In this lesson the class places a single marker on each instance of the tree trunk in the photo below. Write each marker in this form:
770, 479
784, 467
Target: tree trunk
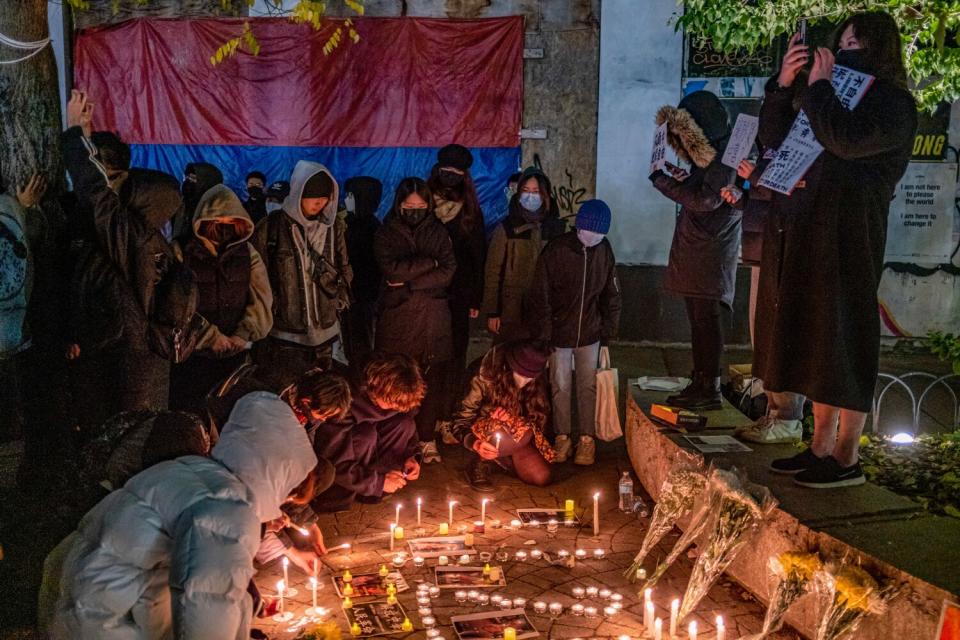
30, 120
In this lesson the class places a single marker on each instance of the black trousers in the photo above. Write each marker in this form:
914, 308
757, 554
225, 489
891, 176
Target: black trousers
436, 401
455, 376
706, 334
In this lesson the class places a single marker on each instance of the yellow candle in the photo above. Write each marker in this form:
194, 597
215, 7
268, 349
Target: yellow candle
568, 507
468, 539
486, 570
398, 533
391, 589
391, 599
347, 576
494, 574
347, 590
444, 528
407, 625
384, 572
509, 633
355, 629
347, 603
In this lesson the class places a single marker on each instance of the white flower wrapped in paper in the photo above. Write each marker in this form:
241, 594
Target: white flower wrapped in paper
677, 495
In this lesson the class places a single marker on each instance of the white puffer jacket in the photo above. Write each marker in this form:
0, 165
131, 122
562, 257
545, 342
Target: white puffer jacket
171, 554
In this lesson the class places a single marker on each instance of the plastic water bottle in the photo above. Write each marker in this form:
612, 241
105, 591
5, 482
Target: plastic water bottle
626, 492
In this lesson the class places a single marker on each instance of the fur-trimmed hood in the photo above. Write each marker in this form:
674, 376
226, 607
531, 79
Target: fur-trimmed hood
698, 128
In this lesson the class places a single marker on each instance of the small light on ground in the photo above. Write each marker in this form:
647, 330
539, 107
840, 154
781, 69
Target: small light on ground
902, 438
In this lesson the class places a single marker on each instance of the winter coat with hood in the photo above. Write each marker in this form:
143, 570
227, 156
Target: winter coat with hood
575, 296
353, 446
362, 225
512, 258
16, 277
234, 293
452, 206
818, 326
706, 240
171, 554
207, 176
308, 265
414, 318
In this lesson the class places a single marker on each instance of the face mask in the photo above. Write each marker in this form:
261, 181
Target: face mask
413, 217
350, 203
450, 179
856, 59
255, 193
188, 188
589, 238
273, 206
531, 201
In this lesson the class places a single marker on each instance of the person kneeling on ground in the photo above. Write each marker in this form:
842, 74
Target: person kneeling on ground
503, 415
180, 537
374, 449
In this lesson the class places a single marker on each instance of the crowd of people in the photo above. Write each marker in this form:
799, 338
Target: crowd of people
237, 367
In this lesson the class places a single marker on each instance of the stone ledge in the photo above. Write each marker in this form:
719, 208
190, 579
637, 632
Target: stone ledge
859, 522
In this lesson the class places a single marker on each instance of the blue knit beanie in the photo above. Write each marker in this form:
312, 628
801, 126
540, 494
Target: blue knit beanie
594, 215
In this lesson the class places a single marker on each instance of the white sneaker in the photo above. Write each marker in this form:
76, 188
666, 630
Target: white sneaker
430, 452
586, 452
446, 432
769, 430
562, 448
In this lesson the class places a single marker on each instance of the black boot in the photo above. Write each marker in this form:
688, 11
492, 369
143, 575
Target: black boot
478, 475
702, 395
688, 393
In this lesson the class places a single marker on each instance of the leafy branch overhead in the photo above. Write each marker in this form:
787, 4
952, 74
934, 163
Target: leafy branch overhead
929, 30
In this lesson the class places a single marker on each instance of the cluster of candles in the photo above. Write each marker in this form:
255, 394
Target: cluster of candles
654, 626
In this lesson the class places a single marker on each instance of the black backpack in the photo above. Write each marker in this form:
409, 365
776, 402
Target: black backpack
174, 326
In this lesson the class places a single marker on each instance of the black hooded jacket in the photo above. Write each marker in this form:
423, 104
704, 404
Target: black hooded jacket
362, 225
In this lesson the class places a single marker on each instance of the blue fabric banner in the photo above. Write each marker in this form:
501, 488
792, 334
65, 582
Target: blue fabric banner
492, 166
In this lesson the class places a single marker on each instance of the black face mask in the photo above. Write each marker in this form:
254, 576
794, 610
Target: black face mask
856, 59
413, 217
188, 188
450, 179
255, 193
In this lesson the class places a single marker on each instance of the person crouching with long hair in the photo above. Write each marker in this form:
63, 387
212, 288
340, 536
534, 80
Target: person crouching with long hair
503, 416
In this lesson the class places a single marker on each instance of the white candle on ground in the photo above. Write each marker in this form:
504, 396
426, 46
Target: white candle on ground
280, 586
596, 514
648, 614
315, 567
393, 527
692, 631
419, 505
286, 565
483, 510
674, 611
313, 588
721, 629
450, 513
396, 520
658, 629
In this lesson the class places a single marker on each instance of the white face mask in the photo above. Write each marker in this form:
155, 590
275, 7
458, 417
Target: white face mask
589, 238
273, 206
349, 203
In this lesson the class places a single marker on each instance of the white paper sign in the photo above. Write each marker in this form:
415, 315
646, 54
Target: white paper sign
741, 140
800, 148
658, 159
920, 225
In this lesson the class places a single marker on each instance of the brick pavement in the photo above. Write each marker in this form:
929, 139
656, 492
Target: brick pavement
366, 528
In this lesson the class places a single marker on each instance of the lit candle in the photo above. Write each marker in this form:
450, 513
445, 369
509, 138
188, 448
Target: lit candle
406, 625
286, 566
347, 603
450, 511
347, 576
315, 567
497, 438
397, 517
598, 554
398, 560
648, 614
641, 574
419, 506
692, 631
577, 609
384, 572
556, 609
398, 533
579, 592
313, 589
658, 629
486, 571
465, 559
674, 611
434, 592
509, 633
540, 607
468, 539
443, 560
460, 596
568, 508
483, 510
581, 554
347, 590
393, 528
495, 574
443, 529
609, 611
280, 589
592, 592
417, 561
536, 554
392, 599
721, 629
605, 593
596, 514
355, 629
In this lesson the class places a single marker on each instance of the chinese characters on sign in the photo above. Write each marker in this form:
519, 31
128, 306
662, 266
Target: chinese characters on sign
658, 159
741, 140
800, 148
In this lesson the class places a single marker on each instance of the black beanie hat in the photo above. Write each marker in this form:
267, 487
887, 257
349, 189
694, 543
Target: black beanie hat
526, 359
320, 185
456, 156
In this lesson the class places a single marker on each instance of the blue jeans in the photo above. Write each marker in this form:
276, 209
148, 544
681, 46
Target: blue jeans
785, 405
563, 361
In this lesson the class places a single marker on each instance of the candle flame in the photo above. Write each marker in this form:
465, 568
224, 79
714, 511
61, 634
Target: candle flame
596, 496
419, 501
302, 531
280, 586
313, 582
720, 624
286, 561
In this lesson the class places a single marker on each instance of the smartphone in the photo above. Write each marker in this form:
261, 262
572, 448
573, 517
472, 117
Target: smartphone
802, 30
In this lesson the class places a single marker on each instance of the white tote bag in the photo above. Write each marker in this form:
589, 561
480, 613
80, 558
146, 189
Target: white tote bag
608, 390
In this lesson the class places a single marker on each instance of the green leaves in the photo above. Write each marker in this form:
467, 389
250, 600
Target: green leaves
930, 33
945, 346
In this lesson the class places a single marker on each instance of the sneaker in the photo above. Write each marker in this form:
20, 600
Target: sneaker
430, 452
562, 448
769, 430
478, 475
800, 462
586, 451
446, 432
828, 474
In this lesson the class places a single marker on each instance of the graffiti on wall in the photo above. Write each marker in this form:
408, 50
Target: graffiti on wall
568, 196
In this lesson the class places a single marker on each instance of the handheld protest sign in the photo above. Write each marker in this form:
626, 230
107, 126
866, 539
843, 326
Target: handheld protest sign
658, 158
741, 140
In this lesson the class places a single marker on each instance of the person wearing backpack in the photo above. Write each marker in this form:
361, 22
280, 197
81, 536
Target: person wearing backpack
304, 248
142, 300
234, 296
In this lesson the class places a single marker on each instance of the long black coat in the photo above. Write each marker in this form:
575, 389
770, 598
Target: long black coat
818, 326
414, 319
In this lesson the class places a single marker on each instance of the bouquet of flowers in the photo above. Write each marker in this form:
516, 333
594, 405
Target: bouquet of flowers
705, 504
794, 572
326, 631
738, 515
850, 594
677, 496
